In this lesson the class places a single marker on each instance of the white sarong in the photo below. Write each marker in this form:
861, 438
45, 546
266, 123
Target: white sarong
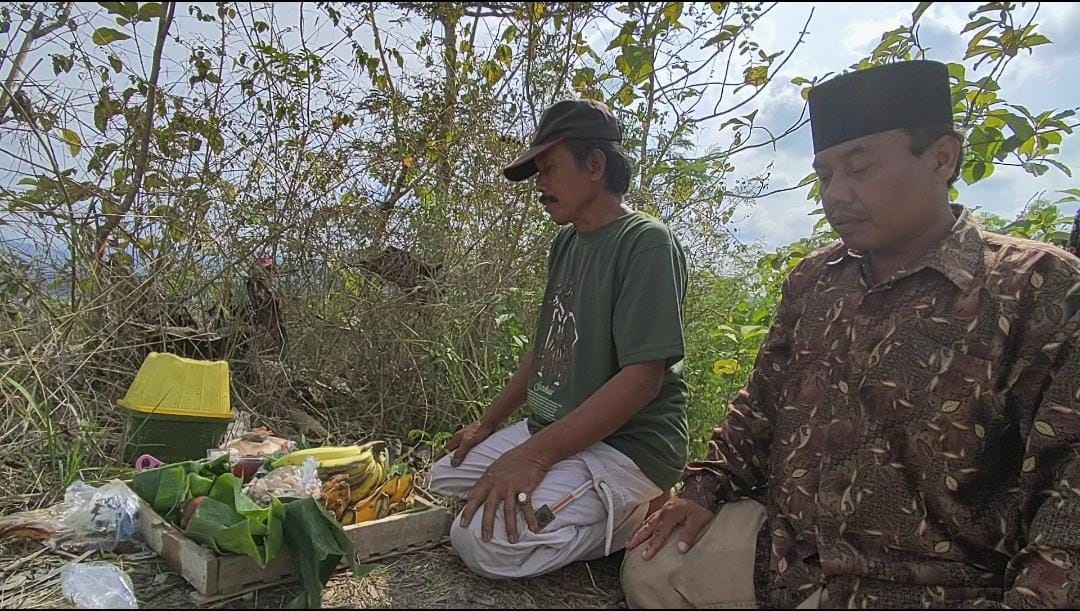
601, 493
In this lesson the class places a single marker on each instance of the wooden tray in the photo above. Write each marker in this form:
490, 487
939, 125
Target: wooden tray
213, 575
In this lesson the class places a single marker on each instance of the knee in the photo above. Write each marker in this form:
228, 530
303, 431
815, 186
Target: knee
491, 560
448, 480
645, 582
440, 471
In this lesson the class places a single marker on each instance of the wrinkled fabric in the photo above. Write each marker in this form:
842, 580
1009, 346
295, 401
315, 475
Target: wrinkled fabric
916, 440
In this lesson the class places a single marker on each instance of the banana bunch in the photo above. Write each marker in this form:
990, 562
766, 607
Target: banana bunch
391, 497
356, 487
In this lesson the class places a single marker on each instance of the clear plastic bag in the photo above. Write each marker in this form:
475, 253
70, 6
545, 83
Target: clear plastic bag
88, 518
98, 585
98, 518
287, 482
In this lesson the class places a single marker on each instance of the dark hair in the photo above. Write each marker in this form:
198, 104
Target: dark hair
616, 170
924, 136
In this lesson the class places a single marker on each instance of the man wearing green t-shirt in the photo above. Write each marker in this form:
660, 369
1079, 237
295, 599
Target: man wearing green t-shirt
606, 434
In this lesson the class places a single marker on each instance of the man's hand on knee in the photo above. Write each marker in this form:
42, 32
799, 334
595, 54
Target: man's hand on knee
689, 518
464, 440
509, 482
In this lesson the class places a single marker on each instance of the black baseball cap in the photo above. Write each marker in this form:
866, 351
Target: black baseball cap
581, 119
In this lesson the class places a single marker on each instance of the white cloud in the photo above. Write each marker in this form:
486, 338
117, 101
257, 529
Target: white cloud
864, 34
842, 33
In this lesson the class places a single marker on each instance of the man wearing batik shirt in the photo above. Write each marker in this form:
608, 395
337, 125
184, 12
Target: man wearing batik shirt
910, 434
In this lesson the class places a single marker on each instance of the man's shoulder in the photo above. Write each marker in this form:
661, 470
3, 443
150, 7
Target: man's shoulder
1020, 266
648, 231
1016, 253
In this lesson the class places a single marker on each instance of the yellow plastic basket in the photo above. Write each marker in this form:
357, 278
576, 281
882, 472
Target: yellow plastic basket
170, 385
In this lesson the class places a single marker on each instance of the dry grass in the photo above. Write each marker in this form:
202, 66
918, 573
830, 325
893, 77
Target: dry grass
433, 578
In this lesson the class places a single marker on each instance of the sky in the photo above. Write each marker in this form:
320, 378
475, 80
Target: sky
839, 35
843, 33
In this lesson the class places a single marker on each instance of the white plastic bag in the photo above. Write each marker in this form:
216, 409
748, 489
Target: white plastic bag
97, 585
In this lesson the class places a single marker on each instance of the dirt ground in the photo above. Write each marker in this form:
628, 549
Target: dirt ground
434, 578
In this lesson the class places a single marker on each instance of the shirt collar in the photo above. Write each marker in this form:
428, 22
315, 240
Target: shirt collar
959, 257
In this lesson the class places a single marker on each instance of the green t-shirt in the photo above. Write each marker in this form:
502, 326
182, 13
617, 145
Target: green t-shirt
614, 298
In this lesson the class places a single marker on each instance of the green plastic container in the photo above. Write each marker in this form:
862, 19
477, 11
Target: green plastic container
176, 408
170, 438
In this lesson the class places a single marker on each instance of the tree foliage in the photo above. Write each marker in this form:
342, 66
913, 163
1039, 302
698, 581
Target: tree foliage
153, 150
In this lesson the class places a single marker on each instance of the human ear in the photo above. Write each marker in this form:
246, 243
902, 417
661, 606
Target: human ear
596, 165
945, 154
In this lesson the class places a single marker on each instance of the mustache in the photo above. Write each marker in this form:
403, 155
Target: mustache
548, 199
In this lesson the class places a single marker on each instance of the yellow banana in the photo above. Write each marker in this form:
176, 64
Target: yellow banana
356, 461
348, 518
364, 488
374, 507
361, 472
347, 462
321, 455
403, 486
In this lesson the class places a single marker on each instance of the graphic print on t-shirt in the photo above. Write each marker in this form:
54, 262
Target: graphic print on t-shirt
562, 336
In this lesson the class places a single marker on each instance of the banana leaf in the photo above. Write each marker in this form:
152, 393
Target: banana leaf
168, 488
317, 544
230, 522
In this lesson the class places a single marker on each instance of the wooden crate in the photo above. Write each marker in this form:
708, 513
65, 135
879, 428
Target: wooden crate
212, 575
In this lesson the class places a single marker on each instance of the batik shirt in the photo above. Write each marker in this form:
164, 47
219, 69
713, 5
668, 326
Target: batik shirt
916, 441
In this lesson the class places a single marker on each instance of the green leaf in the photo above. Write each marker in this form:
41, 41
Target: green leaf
1035, 40
625, 37
974, 171
978, 23
1038, 169
1074, 195
718, 7
504, 54
635, 63
1059, 237
150, 10
583, 79
317, 544
124, 9
1061, 166
154, 180
199, 485
116, 64
492, 71
757, 75
673, 11
104, 36
725, 367
73, 140
62, 63
918, 12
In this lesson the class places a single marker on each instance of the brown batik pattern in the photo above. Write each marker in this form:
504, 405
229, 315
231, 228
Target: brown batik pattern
916, 442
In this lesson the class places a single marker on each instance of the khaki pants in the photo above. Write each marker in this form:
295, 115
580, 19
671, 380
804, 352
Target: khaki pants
717, 572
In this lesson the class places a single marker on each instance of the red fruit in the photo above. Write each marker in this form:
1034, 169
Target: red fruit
189, 510
245, 468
